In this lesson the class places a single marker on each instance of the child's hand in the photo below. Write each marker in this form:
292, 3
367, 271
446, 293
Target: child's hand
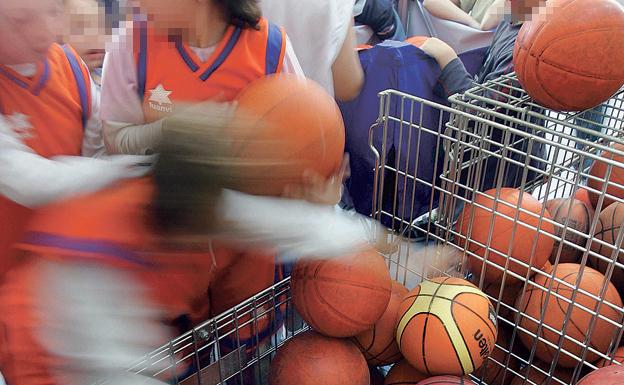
439, 50
317, 189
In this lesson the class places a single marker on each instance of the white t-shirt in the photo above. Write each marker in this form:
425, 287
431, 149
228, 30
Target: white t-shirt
317, 29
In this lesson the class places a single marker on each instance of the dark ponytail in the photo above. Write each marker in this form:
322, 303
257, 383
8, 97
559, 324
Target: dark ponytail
243, 13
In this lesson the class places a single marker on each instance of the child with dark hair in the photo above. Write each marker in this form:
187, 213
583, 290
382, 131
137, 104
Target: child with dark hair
192, 52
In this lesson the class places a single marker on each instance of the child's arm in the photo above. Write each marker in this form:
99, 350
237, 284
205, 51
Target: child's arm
494, 15
32, 180
450, 10
347, 70
454, 77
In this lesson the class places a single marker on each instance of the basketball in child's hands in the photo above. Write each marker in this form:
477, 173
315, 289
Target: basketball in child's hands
311, 359
446, 326
379, 343
283, 126
343, 296
507, 237
607, 230
570, 214
570, 57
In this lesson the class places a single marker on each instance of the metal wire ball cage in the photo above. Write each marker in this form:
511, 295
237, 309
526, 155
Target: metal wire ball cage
496, 136
492, 136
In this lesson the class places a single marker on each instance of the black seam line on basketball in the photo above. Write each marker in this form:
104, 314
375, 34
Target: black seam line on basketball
588, 216
461, 366
381, 352
354, 284
598, 260
304, 288
326, 303
613, 238
571, 36
464, 341
571, 320
487, 322
424, 331
552, 351
373, 338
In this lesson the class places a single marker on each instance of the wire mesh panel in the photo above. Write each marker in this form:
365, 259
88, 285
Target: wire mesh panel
552, 267
481, 183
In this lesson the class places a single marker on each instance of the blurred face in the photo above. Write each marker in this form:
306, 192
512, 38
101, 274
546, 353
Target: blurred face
524, 10
85, 30
28, 28
165, 15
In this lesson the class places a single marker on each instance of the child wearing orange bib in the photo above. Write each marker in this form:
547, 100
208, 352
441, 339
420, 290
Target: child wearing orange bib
190, 53
48, 119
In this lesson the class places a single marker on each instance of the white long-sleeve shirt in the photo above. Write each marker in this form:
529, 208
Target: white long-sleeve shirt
32, 180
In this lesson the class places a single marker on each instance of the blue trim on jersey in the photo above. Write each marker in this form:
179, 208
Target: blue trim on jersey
142, 62
274, 49
223, 55
11, 77
43, 79
83, 246
192, 65
76, 68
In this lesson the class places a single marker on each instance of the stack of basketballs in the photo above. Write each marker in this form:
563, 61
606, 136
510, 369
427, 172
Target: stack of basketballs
440, 331
536, 269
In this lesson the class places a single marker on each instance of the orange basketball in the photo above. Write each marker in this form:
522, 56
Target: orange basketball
284, 126
618, 356
571, 214
312, 359
569, 57
418, 41
446, 326
342, 297
447, 380
607, 229
599, 170
379, 343
534, 302
476, 226
493, 370
402, 374
610, 375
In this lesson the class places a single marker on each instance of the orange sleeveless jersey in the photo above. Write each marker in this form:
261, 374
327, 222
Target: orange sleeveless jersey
107, 228
168, 70
48, 112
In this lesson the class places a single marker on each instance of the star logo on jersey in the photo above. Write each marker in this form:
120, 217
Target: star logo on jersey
20, 125
159, 99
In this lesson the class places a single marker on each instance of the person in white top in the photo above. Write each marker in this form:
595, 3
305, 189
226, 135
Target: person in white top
28, 29
324, 41
202, 27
